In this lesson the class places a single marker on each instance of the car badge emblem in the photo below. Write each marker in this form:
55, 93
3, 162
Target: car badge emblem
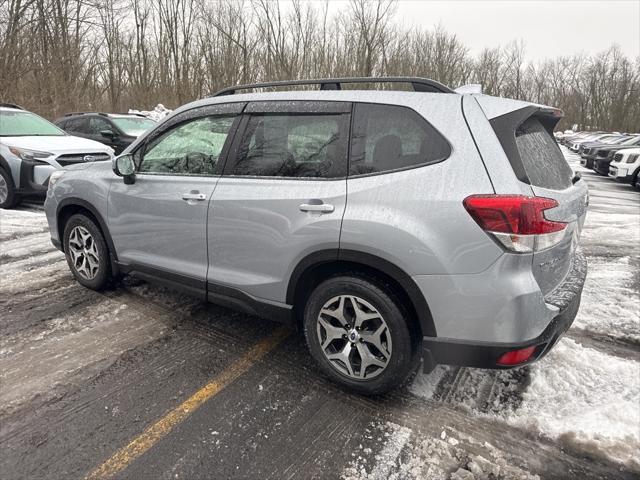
89, 158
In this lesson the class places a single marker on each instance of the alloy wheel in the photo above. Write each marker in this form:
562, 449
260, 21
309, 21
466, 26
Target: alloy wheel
84, 252
354, 337
4, 190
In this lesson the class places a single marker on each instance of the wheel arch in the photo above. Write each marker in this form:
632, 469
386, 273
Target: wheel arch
70, 206
317, 266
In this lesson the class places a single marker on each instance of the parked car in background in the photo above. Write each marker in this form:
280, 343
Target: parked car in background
31, 148
384, 223
625, 166
588, 151
116, 130
574, 144
604, 155
566, 140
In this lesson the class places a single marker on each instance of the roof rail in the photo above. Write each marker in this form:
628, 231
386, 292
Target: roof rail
70, 114
419, 84
11, 105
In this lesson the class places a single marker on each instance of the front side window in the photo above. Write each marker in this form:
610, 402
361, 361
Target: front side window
22, 124
191, 148
388, 137
293, 145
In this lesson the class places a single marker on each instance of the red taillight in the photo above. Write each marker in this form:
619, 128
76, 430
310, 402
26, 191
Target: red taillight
516, 357
517, 214
516, 221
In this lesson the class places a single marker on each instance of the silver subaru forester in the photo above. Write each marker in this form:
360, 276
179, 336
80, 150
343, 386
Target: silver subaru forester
390, 226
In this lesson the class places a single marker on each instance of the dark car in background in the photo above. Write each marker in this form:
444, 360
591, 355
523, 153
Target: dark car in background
589, 150
117, 130
605, 155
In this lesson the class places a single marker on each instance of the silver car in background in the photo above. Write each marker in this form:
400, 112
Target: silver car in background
390, 226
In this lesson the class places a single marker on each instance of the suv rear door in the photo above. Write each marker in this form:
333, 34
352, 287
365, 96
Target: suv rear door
526, 136
282, 196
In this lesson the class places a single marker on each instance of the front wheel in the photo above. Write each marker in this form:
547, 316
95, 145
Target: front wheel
8, 196
357, 333
87, 252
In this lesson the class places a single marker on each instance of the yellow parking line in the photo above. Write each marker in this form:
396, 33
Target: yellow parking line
143, 442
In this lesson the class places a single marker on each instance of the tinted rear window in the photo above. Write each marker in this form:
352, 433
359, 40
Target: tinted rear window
541, 158
388, 137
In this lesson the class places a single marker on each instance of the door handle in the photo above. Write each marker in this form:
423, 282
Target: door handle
194, 196
317, 207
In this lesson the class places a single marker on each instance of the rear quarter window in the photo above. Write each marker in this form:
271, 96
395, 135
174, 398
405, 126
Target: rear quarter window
541, 158
389, 137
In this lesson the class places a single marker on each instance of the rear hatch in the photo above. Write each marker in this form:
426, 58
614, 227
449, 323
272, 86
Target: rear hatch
526, 135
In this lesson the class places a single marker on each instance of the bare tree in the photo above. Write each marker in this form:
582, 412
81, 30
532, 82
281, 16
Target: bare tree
61, 55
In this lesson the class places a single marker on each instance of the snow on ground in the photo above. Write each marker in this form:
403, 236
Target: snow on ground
610, 305
584, 397
616, 229
32, 365
407, 456
18, 223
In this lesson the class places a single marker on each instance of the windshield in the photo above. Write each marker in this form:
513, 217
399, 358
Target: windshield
609, 139
22, 124
620, 140
632, 141
133, 126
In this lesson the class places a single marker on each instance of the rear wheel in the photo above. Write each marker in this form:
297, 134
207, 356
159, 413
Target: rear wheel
356, 330
87, 252
8, 196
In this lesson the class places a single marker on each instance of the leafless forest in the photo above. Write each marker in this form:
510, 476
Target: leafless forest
68, 55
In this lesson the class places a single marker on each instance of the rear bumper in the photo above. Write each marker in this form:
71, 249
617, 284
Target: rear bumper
443, 351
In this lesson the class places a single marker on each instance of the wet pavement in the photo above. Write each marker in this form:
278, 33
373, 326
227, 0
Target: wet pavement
144, 383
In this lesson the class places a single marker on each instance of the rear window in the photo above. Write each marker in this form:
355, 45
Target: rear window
542, 160
387, 137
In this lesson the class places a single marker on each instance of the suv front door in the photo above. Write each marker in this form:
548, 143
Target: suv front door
281, 198
159, 223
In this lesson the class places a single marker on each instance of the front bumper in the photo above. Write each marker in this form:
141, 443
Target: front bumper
442, 351
602, 166
34, 177
620, 175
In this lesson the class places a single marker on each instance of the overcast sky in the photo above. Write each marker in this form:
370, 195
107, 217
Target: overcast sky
548, 28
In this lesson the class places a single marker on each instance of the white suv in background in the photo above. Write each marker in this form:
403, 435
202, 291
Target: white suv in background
31, 148
625, 166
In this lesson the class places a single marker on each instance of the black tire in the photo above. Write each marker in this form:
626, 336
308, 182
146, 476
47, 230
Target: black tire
635, 180
12, 198
102, 276
402, 358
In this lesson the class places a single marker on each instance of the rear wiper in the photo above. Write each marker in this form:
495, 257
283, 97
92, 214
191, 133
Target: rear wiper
576, 177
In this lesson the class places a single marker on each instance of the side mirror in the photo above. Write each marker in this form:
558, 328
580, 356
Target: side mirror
125, 167
108, 134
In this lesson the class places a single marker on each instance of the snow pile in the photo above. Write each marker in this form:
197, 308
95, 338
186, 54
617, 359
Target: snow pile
157, 114
431, 457
585, 398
